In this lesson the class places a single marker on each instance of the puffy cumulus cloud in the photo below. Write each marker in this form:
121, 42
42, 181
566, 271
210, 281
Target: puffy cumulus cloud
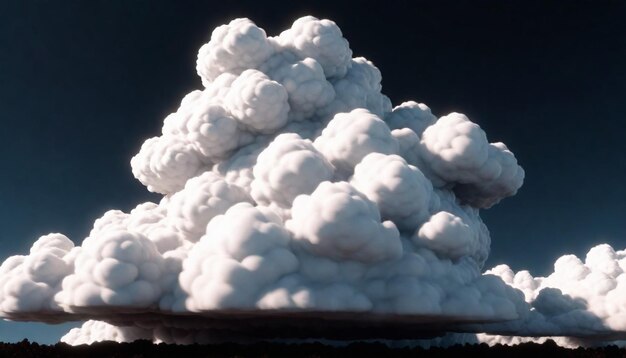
204, 123
243, 250
238, 169
408, 145
212, 131
98, 331
296, 195
451, 339
304, 81
400, 190
582, 299
567, 342
321, 40
288, 167
349, 137
412, 115
484, 194
164, 164
203, 198
447, 234
478, 248
455, 151
581, 303
360, 88
29, 282
233, 48
348, 226
260, 104
117, 268
148, 219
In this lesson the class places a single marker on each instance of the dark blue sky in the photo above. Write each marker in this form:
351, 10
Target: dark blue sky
82, 84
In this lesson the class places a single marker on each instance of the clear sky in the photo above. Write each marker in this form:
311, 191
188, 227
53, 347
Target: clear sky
82, 84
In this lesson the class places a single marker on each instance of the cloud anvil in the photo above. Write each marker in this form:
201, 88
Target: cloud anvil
297, 197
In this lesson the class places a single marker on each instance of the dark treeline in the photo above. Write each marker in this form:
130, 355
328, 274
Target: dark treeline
147, 349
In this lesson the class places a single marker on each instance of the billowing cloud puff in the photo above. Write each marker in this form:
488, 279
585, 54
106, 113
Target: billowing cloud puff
164, 164
484, 194
447, 234
28, 282
233, 48
296, 195
205, 125
259, 103
212, 131
415, 116
243, 250
321, 40
288, 167
304, 80
594, 291
238, 168
117, 268
479, 249
98, 331
408, 145
150, 220
203, 198
347, 227
349, 137
360, 88
400, 190
456, 151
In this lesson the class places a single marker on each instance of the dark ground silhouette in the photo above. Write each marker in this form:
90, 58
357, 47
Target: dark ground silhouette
147, 349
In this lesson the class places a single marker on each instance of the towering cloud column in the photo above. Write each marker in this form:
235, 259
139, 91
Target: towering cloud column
291, 185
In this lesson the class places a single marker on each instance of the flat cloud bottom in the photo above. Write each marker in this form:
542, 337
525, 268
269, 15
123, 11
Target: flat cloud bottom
242, 326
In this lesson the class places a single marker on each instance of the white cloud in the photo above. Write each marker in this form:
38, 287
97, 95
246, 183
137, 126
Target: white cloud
292, 186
